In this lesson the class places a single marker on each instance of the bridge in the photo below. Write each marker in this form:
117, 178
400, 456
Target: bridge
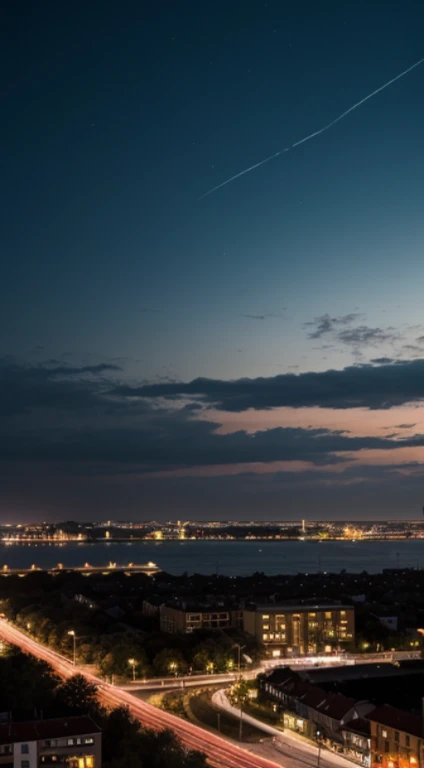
149, 568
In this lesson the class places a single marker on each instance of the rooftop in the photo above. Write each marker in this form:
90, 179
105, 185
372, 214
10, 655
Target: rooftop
398, 719
47, 729
288, 608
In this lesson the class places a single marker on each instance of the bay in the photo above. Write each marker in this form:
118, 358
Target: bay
232, 558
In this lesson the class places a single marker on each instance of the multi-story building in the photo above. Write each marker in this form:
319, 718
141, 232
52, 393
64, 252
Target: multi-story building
287, 630
74, 742
397, 738
183, 618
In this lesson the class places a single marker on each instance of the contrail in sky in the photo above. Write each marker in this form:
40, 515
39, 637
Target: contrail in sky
316, 133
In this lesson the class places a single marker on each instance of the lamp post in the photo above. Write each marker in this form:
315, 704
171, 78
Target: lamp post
318, 738
131, 662
173, 667
239, 650
73, 635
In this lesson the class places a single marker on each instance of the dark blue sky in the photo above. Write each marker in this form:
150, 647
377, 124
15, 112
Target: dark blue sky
116, 119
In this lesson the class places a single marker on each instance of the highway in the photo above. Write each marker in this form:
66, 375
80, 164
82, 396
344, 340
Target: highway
220, 752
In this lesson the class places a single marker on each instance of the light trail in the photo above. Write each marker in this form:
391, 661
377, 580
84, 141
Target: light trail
220, 753
316, 133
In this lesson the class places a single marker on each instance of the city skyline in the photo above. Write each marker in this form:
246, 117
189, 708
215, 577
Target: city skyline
255, 354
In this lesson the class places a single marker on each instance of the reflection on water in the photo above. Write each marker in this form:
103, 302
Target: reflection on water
226, 557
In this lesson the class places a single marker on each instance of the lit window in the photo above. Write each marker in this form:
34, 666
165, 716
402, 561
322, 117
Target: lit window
328, 615
265, 626
89, 761
384, 734
265, 616
265, 636
276, 654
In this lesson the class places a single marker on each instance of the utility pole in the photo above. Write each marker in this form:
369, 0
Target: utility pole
241, 722
219, 721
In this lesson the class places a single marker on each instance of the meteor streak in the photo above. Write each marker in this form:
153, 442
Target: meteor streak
316, 133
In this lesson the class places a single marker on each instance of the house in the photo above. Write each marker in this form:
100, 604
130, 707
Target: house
357, 740
397, 738
74, 741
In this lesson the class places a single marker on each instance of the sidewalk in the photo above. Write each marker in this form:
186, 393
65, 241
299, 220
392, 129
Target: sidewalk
285, 738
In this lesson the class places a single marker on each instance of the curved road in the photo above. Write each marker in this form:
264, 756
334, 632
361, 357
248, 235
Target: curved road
220, 753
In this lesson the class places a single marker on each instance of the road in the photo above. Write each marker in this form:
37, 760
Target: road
288, 750
220, 752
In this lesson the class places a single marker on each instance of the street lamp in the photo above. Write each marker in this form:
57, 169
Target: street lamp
73, 635
173, 667
131, 662
318, 738
239, 650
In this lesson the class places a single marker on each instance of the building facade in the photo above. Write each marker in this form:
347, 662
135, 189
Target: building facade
185, 618
300, 630
73, 742
397, 738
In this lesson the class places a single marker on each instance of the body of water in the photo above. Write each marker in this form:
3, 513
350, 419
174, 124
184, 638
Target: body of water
232, 558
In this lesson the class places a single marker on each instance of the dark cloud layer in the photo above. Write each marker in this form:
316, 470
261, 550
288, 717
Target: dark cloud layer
80, 415
366, 386
80, 438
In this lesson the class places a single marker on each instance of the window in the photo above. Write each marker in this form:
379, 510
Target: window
70, 742
407, 741
384, 734
265, 626
387, 746
265, 637
24, 763
265, 615
89, 740
397, 736
328, 615
24, 749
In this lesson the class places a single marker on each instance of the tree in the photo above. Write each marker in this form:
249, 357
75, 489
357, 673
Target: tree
238, 696
78, 695
168, 662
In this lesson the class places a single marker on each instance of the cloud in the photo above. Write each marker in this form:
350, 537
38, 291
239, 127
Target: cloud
325, 324
81, 414
382, 360
366, 386
262, 317
365, 336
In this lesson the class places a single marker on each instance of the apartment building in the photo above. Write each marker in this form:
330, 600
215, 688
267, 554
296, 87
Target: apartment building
73, 742
287, 630
397, 738
183, 618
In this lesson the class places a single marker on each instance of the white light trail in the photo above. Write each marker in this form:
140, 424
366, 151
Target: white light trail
316, 133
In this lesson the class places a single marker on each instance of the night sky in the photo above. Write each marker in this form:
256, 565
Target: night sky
254, 354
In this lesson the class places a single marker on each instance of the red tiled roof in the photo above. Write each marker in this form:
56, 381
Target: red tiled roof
398, 719
47, 729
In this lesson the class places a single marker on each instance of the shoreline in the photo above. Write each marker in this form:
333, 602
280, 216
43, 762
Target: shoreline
267, 539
